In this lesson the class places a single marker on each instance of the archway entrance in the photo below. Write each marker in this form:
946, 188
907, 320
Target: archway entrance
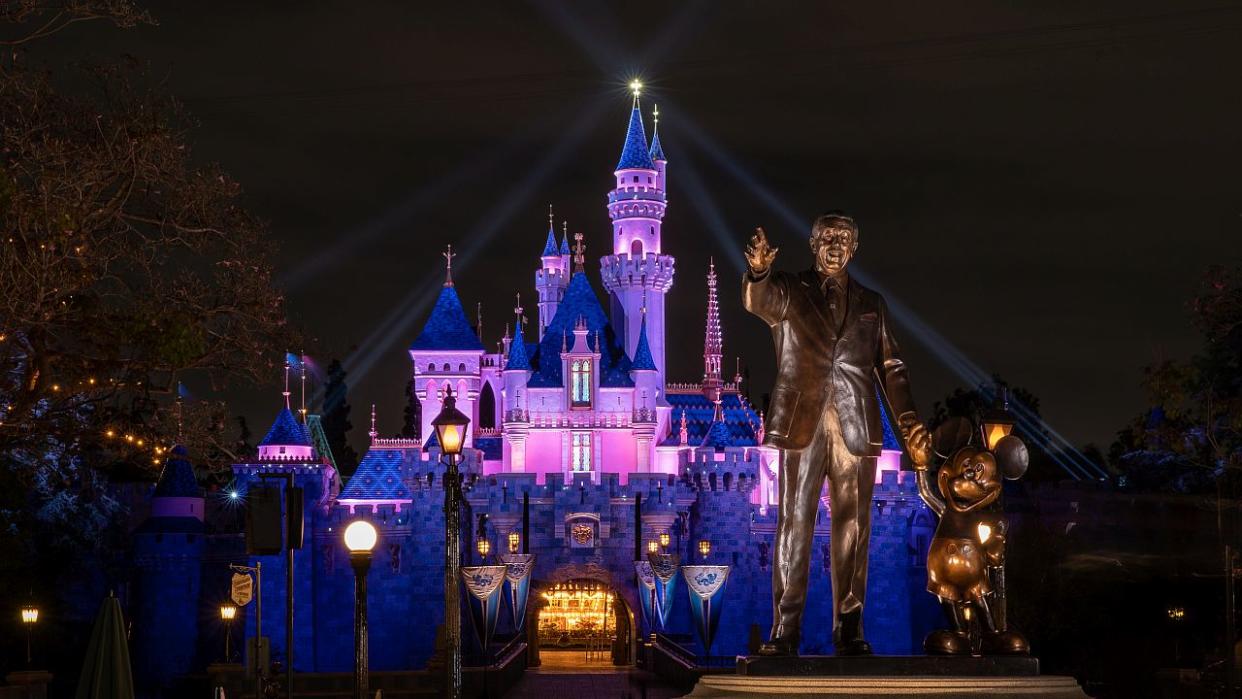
583, 624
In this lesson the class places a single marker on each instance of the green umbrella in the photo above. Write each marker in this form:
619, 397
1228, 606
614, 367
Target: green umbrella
105, 671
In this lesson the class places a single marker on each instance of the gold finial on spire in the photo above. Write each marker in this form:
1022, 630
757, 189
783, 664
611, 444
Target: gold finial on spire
550, 224
636, 87
517, 310
302, 368
655, 117
374, 433
448, 256
286, 393
479, 315
579, 253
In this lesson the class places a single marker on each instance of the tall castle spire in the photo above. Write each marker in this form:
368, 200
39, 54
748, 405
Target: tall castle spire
713, 340
637, 266
552, 277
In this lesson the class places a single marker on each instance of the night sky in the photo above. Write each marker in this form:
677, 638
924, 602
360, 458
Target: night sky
1043, 185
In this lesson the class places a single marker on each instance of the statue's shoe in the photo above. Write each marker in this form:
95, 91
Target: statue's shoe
946, 642
780, 646
1008, 642
853, 647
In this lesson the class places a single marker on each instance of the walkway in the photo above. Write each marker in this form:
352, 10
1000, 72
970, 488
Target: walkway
569, 674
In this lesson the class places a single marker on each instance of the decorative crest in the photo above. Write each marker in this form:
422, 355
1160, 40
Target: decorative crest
448, 256
579, 253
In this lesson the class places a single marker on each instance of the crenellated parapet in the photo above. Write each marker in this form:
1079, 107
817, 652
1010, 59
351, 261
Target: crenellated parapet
628, 272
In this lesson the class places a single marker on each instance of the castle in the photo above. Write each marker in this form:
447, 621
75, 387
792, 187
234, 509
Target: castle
580, 451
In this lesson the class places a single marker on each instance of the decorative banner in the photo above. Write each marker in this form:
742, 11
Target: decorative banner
483, 583
646, 593
517, 574
664, 565
242, 589
706, 585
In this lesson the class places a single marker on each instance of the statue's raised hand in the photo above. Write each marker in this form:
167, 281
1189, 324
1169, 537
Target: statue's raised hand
759, 254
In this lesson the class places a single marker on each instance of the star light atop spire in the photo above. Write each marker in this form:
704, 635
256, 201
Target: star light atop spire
448, 256
636, 87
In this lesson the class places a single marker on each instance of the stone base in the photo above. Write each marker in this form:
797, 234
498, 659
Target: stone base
751, 687
888, 666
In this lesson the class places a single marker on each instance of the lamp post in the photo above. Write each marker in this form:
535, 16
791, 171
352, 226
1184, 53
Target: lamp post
450, 426
30, 617
228, 613
360, 538
705, 548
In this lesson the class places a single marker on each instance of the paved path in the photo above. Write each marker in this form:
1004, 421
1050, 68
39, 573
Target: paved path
568, 674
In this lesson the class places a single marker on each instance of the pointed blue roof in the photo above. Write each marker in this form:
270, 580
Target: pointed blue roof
642, 352
517, 350
736, 429
549, 248
286, 432
565, 243
177, 479
634, 154
378, 477
718, 436
580, 301
657, 152
447, 327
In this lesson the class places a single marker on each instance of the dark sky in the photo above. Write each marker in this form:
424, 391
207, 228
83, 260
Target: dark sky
1042, 185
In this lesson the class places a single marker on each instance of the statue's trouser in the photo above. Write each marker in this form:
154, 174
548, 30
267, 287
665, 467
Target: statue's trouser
851, 480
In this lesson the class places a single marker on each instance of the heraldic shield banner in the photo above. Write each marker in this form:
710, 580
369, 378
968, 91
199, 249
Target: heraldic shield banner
706, 585
517, 578
647, 593
484, 584
664, 566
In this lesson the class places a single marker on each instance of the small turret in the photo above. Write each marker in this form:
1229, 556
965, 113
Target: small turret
552, 278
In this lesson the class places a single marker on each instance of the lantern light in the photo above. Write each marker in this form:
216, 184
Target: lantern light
30, 615
360, 536
705, 547
450, 425
652, 546
515, 542
998, 422
664, 539
228, 612
484, 546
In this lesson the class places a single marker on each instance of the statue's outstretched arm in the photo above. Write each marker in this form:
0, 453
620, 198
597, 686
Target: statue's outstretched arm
928, 492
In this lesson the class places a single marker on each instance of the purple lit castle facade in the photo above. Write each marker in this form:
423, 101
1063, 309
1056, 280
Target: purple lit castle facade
580, 451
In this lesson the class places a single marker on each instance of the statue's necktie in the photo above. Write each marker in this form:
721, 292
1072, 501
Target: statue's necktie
836, 299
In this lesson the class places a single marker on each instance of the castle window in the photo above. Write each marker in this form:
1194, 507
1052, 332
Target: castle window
636, 248
635, 178
581, 452
461, 367
445, 367
580, 383
431, 367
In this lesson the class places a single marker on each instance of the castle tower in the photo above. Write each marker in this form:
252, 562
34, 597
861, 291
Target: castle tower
516, 374
713, 340
637, 265
646, 399
552, 277
447, 352
168, 556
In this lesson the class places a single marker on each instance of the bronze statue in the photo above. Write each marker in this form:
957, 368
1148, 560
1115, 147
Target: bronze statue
967, 550
833, 344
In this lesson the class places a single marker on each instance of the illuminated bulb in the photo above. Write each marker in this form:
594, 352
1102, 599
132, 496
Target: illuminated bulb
636, 86
233, 495
652, 547
360, 536
30, 615
228, 612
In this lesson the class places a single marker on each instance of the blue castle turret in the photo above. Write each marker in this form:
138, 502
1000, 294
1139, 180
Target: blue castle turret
168, 558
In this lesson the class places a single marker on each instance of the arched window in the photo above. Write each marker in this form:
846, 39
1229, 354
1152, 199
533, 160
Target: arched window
580, 383
487, 407
461, 367
581, 451
445, 367
636, 248
431, 367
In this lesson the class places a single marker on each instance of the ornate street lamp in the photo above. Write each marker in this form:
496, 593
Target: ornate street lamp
997, 422
228, 612
451, 425
484, 546
705, 548
664, 539
360, 538
653, 547
515, 542
30, 617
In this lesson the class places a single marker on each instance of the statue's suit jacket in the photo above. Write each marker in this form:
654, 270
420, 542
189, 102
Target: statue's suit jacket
817, 364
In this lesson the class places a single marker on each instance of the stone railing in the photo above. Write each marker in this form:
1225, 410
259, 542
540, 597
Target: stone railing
396, 443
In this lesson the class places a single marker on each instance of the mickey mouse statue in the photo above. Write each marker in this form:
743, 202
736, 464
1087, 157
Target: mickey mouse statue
965, 562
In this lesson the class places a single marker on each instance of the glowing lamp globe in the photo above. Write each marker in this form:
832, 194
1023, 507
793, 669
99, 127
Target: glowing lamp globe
652, 547
664, 539
228, 612
360, 537
450, 426
30, 615
705, 547
485, 547
515, 541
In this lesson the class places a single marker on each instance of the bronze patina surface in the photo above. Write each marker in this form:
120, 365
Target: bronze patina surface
833, 343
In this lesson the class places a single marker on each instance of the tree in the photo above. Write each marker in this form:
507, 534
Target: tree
126, 267
336, 424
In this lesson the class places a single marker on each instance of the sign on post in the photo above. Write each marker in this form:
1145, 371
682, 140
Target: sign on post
243, 589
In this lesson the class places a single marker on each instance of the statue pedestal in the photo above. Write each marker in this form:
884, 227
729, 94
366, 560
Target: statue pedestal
886, 676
